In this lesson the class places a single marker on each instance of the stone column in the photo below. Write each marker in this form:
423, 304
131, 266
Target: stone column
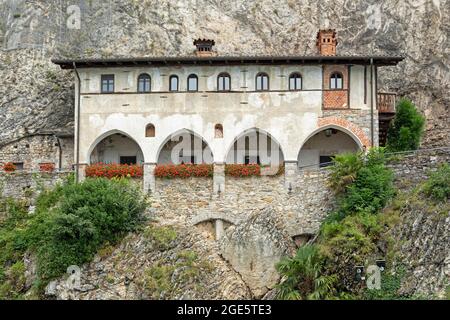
149, 185
219, 178
82, 171
290, 174
219, 229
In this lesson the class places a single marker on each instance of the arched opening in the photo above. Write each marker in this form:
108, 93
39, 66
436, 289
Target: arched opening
262, 82
321, 146
224, 82
218, 131
295, 81
255, 146
192, 82
117, 148
150, 131
144, 83
336, 80
184, 146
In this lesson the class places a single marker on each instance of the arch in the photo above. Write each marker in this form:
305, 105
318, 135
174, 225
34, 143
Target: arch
150, 131
334, 83
174, 83
251, 131
136, 152
223, 82
262, 82
144, 83
192, 82
206, 155
345, 130
294, 79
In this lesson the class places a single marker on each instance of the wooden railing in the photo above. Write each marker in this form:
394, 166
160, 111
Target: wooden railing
386, 102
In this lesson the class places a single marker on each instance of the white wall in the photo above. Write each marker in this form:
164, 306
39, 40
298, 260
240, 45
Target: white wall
289, 116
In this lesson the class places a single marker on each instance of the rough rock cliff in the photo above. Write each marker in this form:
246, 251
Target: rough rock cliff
35, 96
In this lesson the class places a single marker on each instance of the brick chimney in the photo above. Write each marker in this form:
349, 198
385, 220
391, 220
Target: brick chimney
326, 42
204, 48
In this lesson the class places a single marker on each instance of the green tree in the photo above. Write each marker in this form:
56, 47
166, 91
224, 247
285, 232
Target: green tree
406, 129
303, 278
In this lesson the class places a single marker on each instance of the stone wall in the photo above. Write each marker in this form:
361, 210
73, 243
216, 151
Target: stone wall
302, 208
415, 166
23, 185
36, 149
361, 118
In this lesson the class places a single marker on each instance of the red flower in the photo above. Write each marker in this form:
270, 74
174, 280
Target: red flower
9, 167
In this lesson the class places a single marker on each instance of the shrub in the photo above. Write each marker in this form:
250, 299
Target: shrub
365, 184
75, 220
406, 129
370, 192
47, 167
170, 171
303, 279
113, 170
9, 167
344, 170
242, 170
438, 184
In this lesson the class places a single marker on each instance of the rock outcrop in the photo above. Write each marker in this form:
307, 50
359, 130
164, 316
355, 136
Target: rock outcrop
35, 95
254, 247
161, 263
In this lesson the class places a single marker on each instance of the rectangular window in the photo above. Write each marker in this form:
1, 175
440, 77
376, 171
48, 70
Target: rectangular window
19, 165
325, 161
107, 83
128, 160
252, 160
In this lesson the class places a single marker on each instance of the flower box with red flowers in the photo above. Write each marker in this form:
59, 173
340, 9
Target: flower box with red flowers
47, 167
243, 170
114, 170
9, 167
170, 171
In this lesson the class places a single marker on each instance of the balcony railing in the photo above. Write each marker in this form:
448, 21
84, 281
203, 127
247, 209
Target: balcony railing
386, 102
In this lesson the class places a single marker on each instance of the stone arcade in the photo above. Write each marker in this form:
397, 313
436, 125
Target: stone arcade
304, 109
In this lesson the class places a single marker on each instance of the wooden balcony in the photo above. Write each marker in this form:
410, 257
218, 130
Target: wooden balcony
386, 102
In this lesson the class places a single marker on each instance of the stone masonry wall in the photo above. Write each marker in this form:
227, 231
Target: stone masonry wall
302, 209
361, 118
36, 149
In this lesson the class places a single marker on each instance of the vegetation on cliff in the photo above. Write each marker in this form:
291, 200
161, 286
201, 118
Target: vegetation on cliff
70, 224
406, 129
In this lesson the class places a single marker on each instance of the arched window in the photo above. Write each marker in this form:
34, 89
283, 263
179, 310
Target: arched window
336, 80
192, 83
218, 131
144, 83
262, 82
173, 83
224, 82
295, 81
150, 130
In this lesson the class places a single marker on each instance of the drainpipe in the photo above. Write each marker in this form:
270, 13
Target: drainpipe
59, 153
371, 102
77, 164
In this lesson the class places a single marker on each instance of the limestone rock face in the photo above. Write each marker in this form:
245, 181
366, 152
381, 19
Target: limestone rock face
32, 31
148, 266
254, 247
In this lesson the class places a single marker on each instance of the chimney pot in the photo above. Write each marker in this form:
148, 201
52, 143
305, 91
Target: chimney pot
326, 42
204, 48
